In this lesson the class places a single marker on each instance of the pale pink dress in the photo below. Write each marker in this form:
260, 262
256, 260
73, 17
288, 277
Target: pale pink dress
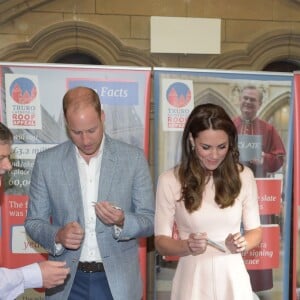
213, 275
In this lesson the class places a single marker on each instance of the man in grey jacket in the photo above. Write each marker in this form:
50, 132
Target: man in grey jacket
90, 200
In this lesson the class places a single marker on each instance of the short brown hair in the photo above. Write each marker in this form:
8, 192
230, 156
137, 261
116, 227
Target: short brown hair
81, 96
6, 136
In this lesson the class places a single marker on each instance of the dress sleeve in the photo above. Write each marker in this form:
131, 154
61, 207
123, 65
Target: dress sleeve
167, 193
274, 150
251, 219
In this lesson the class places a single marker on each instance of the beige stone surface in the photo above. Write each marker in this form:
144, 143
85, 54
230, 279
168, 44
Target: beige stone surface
174, 8
140, 27
247, 31
69, 6
30, 23
142, 44
244, 24
231, 9
10, 39
120, 26
286, 11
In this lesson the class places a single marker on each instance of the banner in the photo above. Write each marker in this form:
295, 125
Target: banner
296, 190
266, 254
31, 106
264, 146
269, 192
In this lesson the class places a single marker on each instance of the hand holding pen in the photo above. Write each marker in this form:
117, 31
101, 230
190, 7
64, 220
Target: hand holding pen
197, 243
109, 214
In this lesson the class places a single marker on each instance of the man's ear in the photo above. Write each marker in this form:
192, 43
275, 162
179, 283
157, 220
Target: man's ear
102, 115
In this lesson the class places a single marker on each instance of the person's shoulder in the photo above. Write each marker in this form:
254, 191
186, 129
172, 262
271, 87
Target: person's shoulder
237, 120
121, 145
169, 175
263, 123
246, 172
55, 149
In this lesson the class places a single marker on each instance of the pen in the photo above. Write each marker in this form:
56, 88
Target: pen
116, 207
216, 245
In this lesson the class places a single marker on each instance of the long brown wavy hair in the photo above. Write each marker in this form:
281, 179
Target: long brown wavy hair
192, 174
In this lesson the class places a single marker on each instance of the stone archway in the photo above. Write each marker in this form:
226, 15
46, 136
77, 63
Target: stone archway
275, 46
10, 9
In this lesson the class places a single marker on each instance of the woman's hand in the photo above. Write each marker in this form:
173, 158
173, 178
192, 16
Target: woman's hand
236, 243
197, 243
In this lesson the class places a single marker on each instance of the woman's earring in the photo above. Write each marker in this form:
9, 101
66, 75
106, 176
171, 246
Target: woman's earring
192, 144
192, 141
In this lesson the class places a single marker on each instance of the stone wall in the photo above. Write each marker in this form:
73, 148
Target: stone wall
253, 34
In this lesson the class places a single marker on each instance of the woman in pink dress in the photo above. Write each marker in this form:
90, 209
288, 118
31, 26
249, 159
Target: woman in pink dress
209, 196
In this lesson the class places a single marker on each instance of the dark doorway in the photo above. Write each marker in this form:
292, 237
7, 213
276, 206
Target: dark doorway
282, 66
78, 58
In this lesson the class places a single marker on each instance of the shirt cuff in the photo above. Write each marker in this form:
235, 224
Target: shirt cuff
117, 231
58, 249
32, 276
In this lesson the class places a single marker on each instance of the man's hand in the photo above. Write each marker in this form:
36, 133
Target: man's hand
257, 161
53, 273
70, 236
109, 214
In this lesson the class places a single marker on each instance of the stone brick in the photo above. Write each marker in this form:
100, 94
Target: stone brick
142, 7
140, 27
117, 25
69, 6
